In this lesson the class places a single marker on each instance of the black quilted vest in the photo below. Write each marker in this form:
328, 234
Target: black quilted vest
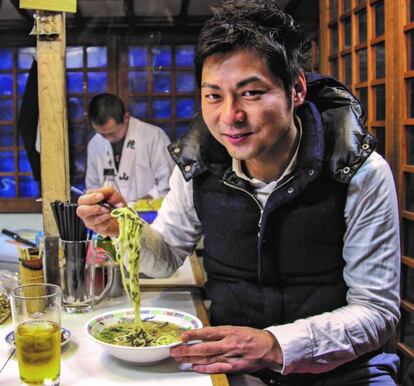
284, 268
273, 265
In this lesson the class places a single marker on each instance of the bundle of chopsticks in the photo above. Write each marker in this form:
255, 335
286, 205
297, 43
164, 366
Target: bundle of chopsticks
28, 253
30, 265
70, 226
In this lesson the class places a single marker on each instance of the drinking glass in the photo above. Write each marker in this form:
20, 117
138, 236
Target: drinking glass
36, 312
78, 274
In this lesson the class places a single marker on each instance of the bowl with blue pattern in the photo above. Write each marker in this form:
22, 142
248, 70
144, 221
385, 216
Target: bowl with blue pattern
140, 355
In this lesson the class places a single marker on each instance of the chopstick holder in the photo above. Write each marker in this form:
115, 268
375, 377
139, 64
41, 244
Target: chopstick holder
31, 272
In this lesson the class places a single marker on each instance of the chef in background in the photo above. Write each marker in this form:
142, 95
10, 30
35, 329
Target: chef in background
136, 151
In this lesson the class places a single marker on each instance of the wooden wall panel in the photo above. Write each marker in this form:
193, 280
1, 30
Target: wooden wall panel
397, 123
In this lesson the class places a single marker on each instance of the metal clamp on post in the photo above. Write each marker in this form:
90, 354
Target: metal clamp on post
46, 26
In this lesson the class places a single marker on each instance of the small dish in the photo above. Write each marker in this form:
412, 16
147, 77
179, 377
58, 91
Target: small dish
65, 336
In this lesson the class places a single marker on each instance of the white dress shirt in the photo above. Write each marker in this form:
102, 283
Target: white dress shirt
371, 252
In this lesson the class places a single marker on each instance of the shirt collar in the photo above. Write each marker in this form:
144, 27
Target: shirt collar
238, 169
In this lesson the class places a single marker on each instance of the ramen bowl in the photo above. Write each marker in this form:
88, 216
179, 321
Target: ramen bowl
140, 355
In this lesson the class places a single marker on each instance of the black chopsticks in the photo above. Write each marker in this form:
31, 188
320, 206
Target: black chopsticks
70, 226
79, 192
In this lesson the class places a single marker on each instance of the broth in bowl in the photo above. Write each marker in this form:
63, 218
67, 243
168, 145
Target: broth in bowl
156, 334
101, 325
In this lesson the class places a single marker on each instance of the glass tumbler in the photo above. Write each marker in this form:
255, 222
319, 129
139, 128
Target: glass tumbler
36, 310
78, 274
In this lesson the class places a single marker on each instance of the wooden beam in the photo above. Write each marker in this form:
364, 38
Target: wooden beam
129, 12
406, 350
323, 37
53, 119
19, 205
78, 18
396, 103
184, 9
408, 261
407, 305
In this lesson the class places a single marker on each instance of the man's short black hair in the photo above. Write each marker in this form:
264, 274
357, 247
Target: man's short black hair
104, 107
258, 25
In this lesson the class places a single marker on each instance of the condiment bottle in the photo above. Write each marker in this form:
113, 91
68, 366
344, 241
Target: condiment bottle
109, 179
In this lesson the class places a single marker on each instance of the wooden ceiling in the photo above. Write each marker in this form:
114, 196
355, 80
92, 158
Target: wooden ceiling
101, 14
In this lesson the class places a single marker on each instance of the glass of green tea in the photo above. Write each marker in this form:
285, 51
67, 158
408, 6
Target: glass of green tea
36, 310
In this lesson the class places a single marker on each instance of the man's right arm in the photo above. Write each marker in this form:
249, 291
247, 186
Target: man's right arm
168, 241
175, 232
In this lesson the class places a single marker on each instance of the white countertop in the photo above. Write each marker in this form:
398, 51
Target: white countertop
84, 363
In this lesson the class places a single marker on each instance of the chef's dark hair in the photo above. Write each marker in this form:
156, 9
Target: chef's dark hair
260, 26
104, 107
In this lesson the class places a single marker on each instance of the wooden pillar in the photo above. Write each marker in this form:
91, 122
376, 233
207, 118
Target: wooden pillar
395, 96
51, 48
323, 37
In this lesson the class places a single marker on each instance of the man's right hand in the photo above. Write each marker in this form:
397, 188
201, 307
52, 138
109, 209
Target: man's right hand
96, 217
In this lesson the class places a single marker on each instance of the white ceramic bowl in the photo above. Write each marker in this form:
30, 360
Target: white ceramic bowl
141, 355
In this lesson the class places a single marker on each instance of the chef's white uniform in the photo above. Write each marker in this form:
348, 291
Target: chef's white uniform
145, 165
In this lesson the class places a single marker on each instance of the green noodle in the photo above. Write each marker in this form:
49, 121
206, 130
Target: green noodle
158, 333
134, 333
128, 244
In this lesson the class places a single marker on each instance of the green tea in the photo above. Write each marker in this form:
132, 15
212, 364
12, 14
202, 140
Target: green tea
38, 352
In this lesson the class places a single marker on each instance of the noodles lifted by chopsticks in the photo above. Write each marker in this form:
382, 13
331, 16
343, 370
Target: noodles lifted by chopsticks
128, 245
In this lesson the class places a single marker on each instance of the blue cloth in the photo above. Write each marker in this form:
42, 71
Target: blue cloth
377, 370
380, 370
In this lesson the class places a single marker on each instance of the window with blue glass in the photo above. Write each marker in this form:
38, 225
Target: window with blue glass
7, 187
185, 82
137, 56
97, 82
184, 108
161, 107
161, 57
162, 82
96, 57
86, 75
6, 84
161, 86
156, 82
138, 81
6, 62
138, 107
74, 82
16, 179
21, 82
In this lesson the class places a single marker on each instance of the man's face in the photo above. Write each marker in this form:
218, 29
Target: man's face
112, 130
246, 107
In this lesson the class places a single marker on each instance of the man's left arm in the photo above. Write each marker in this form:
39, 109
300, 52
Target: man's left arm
372, 273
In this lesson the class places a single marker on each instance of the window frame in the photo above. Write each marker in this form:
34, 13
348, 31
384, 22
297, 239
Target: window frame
117, 56
16, 204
